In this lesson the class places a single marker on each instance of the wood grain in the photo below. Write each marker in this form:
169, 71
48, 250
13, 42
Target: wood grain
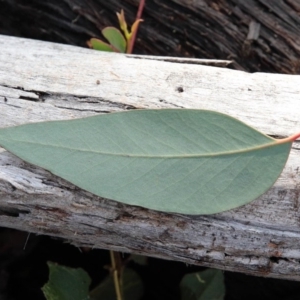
42, 81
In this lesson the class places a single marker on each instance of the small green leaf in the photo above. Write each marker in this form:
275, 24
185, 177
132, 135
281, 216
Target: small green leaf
134, 27
205, 285
132, 287
115, 38
123, 24
100, 45
66, 283
172, 160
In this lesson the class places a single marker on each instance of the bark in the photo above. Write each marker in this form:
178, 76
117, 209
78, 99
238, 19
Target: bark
259, 35
45, 81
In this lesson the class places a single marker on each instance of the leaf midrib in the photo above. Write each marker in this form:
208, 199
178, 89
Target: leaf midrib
241, 151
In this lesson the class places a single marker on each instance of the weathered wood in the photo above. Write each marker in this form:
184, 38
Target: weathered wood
44, 81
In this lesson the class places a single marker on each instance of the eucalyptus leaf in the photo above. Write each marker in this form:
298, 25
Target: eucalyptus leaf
132, 287
204, 285
172, 160
139, 259
66, 283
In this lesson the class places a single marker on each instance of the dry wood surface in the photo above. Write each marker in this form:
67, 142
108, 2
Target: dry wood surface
42, 81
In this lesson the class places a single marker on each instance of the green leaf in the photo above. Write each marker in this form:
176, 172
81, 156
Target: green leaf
139, 259
115, 38
172, 160
100, 45
66, 283
205, 285
132, 287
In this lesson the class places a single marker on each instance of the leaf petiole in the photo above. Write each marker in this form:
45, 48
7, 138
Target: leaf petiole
289, 139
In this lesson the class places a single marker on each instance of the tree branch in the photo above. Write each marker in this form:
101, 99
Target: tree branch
42, 81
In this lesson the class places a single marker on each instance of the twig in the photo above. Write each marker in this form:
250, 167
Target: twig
116, 274
138, 16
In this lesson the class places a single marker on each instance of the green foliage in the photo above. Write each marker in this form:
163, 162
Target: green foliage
115, 38
171, 160
101, 46
66, 283
131, 284
139, 259
205, 285
73, 284
117, 41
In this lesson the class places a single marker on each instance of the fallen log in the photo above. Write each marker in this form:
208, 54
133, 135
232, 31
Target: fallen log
42, 81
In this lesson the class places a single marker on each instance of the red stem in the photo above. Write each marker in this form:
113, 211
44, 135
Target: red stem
294, 137
140, 9
289, 139
138, 16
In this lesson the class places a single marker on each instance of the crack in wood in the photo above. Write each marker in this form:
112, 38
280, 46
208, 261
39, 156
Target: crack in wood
12, 212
